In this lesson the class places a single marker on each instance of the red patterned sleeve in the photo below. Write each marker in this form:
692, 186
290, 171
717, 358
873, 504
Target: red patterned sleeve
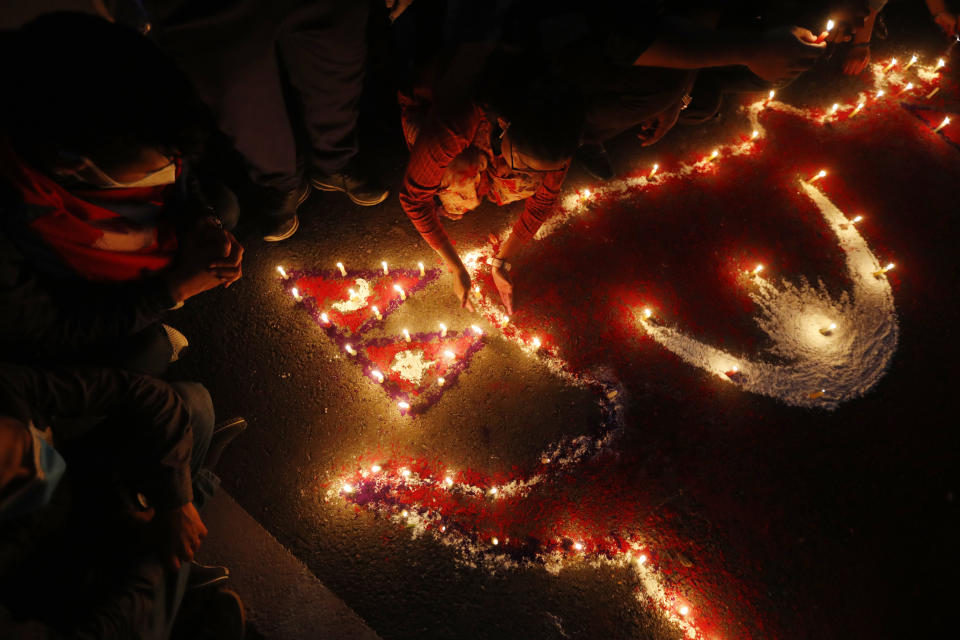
541, 206
436, 146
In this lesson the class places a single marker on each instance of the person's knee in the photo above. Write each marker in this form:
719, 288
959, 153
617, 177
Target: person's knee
199, 405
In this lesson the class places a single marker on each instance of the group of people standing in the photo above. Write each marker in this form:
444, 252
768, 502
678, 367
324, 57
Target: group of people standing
115, 208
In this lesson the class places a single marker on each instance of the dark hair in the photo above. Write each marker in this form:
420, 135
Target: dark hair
545, 111
79, 83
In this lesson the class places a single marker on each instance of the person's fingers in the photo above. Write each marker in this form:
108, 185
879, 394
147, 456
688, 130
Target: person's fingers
390, 3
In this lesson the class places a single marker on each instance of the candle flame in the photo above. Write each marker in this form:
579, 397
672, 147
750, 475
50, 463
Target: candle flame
857, 219
754, 135
349, 349
379, 376
642, 559
771, 94
347, 488
880, 93
282, 272
493, 491
536, 343
375, 468
647, 312
834, 108
586, 193
406, 334
449, 354
403, 406
735, 368
833, 325
941, 63
384, 265
714, 154
405, 472
578, 546
448, 480
325, 318
476, 329
494, 541
441, 381
757, 269
684, 610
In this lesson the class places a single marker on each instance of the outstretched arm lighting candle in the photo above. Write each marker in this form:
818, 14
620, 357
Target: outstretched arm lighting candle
946, 121
399, 289
343, 272
820, 174
913, 60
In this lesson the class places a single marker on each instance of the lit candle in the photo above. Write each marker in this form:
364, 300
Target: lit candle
450, 354
476, 329
684, 610
893, 63
647, 313
857, 109
399, 289
405, 472
282, 272
406, 335
578, 546
448, 481
347, 488
324, 318
653, 171
734, 372
586, 193
908, 87
443, 528
403, 406
343, 271
349, 349
757, 269
754, 135
819, 175
883, 270
933, 93
386, 271
642, 559
375, 468
352, 293
443, 330
506, 320
828, 330
946, 121
941, 63
441, 381
834, 108
913, 59
857, 219
817, 394
376, 374
296, 294
770, 95
826, 32
376, 312
404, 513
713, 156
536, 343
879, 94
423, 271
494, 541
493, 491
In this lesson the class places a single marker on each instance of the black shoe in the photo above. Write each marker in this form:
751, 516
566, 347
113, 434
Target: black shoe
223, 435
281, 214
203, 575
594, 158
354, 181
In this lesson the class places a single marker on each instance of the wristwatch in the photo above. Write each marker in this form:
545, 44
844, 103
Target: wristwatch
500, 264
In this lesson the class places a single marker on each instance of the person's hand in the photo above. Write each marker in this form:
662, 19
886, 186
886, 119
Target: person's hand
461, 287
181, 533
948, 22
397, 7
655, 129
205, 253
16, 446
501, 278
228, 267
857, 60
785, 53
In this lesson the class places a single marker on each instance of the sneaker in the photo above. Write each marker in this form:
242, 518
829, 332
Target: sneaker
178, 342
354, 181
282, 218
204, 575
223, 435
594, 158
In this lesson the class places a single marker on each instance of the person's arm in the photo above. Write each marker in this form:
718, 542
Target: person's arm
436, 147
159, 442
775, 55
946, 19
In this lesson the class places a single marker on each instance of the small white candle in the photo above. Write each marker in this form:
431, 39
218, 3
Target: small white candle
399, 289
713, 155
946, 121
856, 219
376, 312
386, 271
879, 272
296, 294
879, 94
406, 335
642, 559
403, 406
349, 349
913, 59
423, 271
443, 330
586, 193
578, 546
770, 95
834, 108
857, 109
324, 318
441, 381
933, 93
654, 170
819, 175
376, 374
282, 272
506, 320
908, 87
343, 272
893, 62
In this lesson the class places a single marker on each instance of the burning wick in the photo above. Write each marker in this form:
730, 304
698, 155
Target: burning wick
536, 343
443, 528
857, 219
405, 472
734, 372
282, 272
324, 318
423, 271
909, 87
817, 394
403, 406
770, 95
406, 334
375, 468
882, 270
347, 488
879, 94
349, 349
476, 329
376, 312
450, 354
857, 109
506, 320
443, 330
343, 271
376, 374
493, 491
399, 289
713, 156
404, 513
828, 330
834, 108
578, 546
754, 135
684, 610
386, 271
441, 381
941, 63
642, 559
825, 32
819, 175
587, 193
757, 269
893, 63
494, 541
946, 121
448, 481
647, 313
353, 294
654, 170
933, 93
913, 59
296, 294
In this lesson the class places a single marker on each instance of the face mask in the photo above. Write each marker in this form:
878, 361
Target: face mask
36, 492
163, 175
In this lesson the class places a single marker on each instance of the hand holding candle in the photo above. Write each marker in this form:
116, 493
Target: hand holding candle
825, 33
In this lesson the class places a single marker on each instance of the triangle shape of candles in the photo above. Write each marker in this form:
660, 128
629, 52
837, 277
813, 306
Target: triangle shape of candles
352, 304
416, 369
